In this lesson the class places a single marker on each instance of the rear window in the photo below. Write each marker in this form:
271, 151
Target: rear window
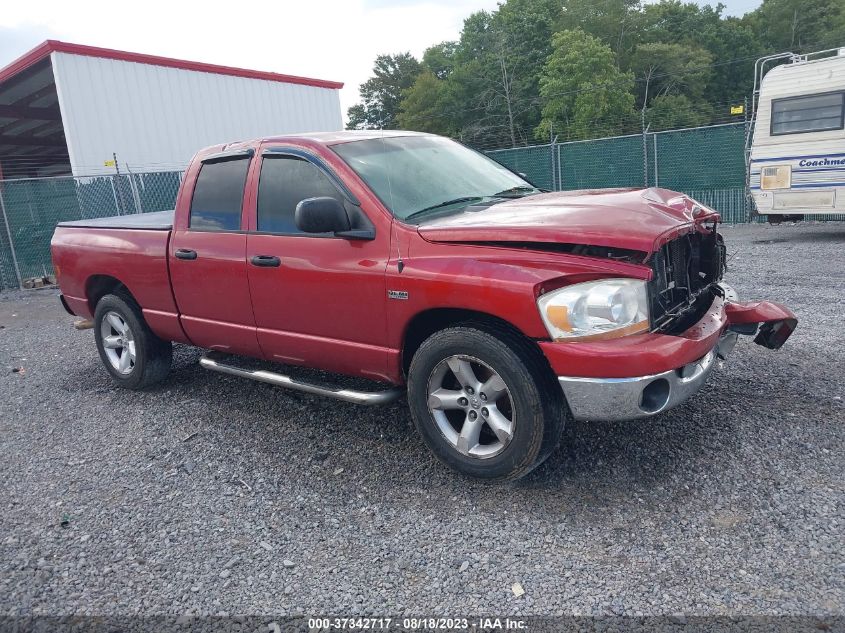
218, 195
811, 113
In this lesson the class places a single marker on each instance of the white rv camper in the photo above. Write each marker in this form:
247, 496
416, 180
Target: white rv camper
797, 152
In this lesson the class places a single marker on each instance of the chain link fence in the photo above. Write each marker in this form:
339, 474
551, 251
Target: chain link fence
706, 163
31, 208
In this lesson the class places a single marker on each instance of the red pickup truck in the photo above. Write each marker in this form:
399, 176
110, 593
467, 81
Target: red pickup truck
409, 259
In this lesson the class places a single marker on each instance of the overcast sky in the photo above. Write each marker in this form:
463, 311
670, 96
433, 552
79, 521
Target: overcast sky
326, 39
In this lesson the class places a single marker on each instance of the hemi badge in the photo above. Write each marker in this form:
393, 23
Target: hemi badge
397, 294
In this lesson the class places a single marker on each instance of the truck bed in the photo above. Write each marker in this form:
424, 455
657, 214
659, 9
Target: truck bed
157, 221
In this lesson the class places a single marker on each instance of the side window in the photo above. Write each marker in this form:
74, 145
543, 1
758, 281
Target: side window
813, 113
284, 182
218, 195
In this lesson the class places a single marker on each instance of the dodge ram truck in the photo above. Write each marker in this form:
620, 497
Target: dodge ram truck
499, 309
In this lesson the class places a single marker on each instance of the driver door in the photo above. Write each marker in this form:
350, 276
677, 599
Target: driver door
318, 300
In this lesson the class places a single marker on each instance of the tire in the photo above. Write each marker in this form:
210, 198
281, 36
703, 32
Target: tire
120, 330
529, 413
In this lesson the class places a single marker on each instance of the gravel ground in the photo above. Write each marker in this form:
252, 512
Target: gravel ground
213, 495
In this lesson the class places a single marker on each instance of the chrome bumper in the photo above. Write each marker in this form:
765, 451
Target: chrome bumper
641, 396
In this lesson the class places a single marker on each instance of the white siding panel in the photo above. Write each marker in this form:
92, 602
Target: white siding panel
156, 117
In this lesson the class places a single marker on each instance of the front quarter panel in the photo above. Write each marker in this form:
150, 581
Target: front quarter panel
500, 282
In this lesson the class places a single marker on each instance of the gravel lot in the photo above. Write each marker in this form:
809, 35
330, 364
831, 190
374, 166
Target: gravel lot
214, 495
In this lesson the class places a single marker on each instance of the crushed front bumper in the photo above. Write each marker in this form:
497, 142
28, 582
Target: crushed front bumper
623, 397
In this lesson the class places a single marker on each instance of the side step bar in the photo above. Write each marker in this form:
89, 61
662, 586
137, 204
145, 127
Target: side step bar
280, 380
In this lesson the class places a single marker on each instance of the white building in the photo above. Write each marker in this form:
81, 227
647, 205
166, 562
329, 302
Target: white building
67, 109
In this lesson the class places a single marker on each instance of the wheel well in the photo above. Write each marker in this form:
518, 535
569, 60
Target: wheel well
98, 286
427, 323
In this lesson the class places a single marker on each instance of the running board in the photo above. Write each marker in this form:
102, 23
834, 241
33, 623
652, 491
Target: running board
280, 380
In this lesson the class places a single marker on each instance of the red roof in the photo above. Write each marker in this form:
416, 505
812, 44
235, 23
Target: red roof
42, 51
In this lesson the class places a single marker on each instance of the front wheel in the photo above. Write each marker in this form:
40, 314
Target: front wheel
134, 356
484, 401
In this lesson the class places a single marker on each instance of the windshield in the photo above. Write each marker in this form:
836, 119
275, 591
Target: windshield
415, 174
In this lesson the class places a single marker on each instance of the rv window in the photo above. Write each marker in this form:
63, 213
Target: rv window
811, 113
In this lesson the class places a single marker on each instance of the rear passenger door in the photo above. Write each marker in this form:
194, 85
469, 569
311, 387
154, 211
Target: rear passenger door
208, 256
318, 299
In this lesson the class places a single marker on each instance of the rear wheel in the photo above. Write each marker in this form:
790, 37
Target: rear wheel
484, 401
134, 356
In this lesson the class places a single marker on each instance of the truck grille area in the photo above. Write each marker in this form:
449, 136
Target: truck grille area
686, 271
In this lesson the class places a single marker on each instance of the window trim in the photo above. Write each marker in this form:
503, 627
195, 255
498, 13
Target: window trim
334, 180
213, 159
281, 152
841, 126
235, 154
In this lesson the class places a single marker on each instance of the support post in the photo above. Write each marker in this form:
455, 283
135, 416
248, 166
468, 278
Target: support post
11, 241
656, 181
122, 210
645, 147
114, 195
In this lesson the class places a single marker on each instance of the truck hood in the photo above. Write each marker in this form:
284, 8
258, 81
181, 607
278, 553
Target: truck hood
633, 219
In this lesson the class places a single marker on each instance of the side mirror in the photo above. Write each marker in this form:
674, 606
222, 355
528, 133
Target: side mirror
321, 215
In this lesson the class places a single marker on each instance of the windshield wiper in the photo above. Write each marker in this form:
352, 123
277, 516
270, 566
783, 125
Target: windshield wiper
515, 191
445, 203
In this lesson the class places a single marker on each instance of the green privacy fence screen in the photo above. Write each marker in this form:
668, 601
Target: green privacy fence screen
32, 207
707, 161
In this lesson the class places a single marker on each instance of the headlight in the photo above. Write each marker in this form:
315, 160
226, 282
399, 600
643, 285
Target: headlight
608, 308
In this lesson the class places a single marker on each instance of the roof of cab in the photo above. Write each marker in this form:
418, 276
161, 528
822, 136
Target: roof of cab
307, 138
342, 136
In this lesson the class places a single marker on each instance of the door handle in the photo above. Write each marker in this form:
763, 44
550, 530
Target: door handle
268, 261
185, 253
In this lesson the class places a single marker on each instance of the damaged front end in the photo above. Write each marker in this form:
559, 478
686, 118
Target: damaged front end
771, 324
687, 277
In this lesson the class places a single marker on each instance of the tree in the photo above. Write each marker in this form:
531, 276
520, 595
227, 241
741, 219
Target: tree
668, 112
422, 106
440, 59
523, 32
480, 85
732, 45
671, 69
583, 93
614, 22
798, 25
382, 93
518, 71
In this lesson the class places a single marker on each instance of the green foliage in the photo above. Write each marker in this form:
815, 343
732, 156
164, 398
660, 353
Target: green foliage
381, 94
586, 68
423, 104
672, 111
671, 69
799, 25
583, 91
440, 59
614, 22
